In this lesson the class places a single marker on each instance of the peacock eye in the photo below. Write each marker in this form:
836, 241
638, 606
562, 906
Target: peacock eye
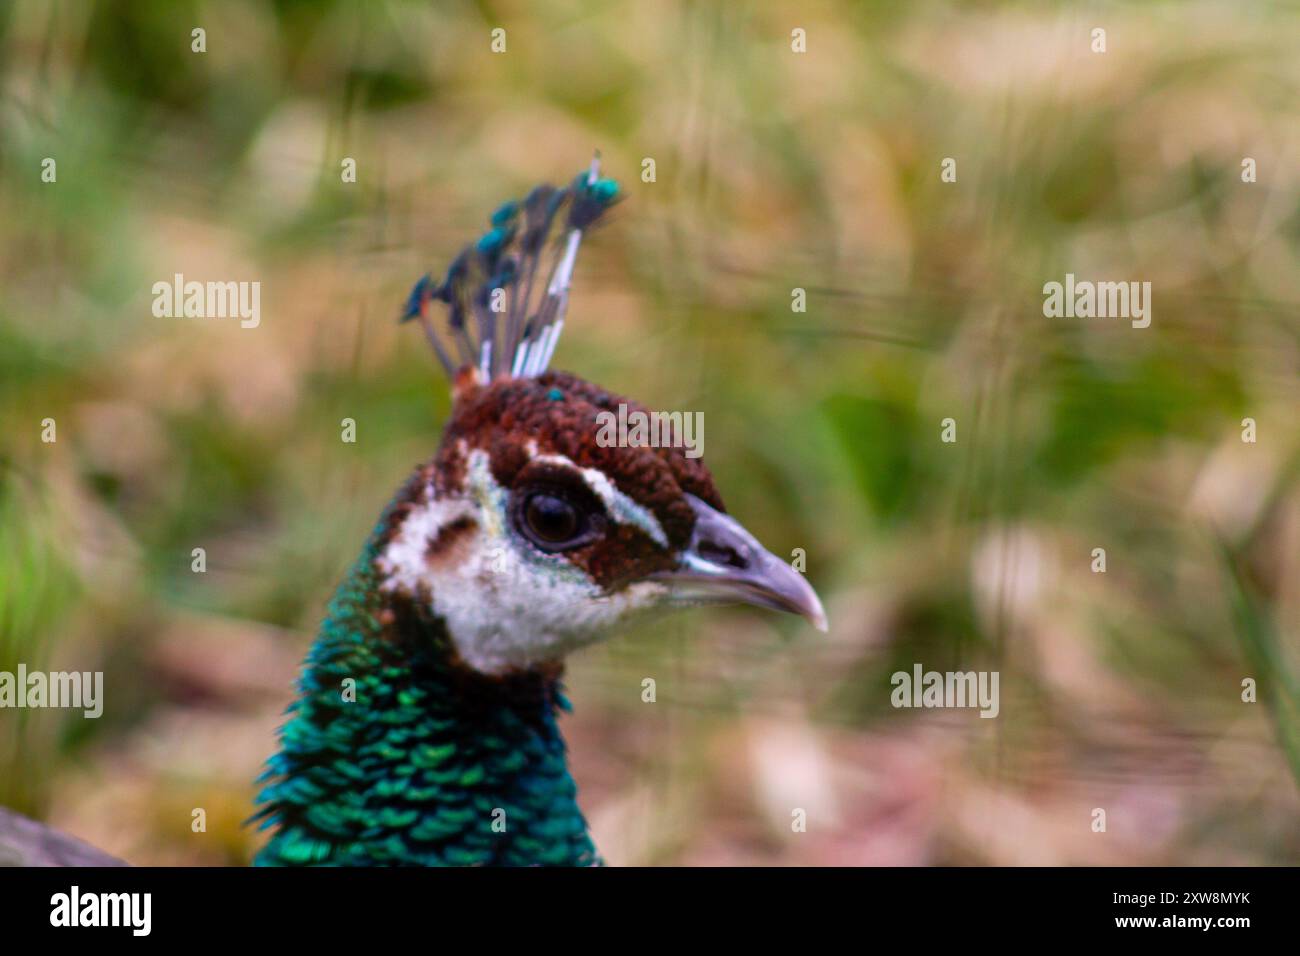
552, 519
553, 522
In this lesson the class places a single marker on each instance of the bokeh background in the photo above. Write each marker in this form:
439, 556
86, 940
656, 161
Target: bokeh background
774, 170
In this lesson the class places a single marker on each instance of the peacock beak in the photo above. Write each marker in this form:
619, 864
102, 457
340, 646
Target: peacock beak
725, 564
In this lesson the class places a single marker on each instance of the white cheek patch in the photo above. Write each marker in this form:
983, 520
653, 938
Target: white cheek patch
621, 508
404, 563
505, 605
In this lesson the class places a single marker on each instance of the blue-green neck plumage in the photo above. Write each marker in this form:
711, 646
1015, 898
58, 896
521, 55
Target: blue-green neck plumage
430, 764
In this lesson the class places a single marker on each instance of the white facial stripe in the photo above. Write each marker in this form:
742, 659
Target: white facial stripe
491, 497
620, 507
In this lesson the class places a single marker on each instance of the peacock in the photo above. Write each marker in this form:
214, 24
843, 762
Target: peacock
425, 731
426, 727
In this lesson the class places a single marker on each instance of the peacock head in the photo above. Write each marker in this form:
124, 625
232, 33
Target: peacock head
527, 534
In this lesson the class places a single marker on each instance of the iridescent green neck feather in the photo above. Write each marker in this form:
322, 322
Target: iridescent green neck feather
430, 764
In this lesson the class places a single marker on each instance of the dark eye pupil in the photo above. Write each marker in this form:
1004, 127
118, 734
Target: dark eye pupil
552, 519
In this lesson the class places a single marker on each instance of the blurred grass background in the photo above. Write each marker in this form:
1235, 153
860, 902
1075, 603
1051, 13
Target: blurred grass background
775, 170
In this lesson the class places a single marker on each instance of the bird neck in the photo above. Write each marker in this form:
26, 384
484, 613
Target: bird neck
396, 753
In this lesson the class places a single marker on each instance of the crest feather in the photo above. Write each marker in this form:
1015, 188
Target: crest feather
506, 294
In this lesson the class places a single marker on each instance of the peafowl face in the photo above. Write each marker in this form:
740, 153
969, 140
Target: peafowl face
526, 535
529, 538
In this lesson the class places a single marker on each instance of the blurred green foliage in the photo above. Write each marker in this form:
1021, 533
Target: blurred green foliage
774, 170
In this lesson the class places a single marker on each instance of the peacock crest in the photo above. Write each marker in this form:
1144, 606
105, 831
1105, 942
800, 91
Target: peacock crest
505, 296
